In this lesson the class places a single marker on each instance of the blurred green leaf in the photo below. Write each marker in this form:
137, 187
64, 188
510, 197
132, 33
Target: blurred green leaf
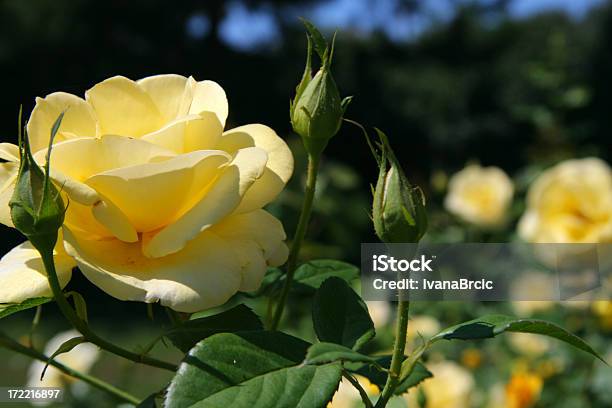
311, 275
318, 41
239, 318
7, 309
493, 325
340, 316
251, 369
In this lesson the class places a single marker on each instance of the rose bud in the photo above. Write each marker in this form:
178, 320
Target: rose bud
399, 208
317, 109
37, 209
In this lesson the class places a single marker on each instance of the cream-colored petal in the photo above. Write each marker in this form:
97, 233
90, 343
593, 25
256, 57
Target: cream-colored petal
79, 119
279, 167
8, 175
115, 220
188, 133
208, 96
22, 274
204, 274
82, 158
222, 198
169, 188
171, 94
9, 152
123, 108
257, 236
279, 256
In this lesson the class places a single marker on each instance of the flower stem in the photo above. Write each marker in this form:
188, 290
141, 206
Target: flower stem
17, 347
82, 326
398, 353
300, 232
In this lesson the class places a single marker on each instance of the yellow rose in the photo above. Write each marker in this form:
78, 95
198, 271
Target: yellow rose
450, 387
480, 195
571, 202
530, 344
163, 204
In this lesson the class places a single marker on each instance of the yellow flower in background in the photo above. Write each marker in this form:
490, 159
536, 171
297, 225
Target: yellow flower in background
450, 387
603, 310
570, 203
532, 345
380, 312
421, 325
523, 390
480, 195
81, 358
347, 395
471, 358
164, 205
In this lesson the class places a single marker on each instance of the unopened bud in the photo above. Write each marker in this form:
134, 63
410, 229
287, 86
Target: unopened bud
399, 209
317, 109
37, 209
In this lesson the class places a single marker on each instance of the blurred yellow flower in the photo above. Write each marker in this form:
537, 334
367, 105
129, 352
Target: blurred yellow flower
421, 325
571, 202
450, 387
380, 312
529, 344
471, 358
164, 205
523, 390
480, 195
533, 285
603, 310
81, 358
347, 395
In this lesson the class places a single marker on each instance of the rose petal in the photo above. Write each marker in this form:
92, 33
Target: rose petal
208, 96
205, 274
257, 236
278, 169
170, 93
8, 175
169, 188
79, 119
123, 108
22, 274
222, 198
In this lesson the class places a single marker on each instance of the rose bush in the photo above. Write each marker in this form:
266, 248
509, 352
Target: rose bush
163, 205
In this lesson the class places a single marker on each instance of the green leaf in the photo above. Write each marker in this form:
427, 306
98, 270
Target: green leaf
340, 316
323, 353
419, 373
492, 325
79, 304
65, 347
251, 369
7, 309
311, 275
188, 333
379, 377
318, 41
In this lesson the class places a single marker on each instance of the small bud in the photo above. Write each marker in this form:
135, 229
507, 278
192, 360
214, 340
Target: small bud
399, 209
37, 209
317, 109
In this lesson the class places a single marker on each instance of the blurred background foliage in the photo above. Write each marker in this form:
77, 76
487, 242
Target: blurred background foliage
513, 83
